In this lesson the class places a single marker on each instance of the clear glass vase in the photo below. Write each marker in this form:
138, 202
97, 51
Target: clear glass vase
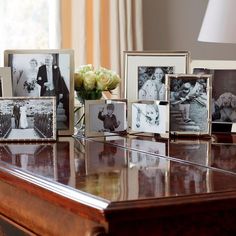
79, 113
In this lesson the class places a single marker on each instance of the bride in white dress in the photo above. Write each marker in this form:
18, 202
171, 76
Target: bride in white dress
23, 118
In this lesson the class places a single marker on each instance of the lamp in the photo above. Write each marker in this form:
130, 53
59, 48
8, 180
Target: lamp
219, 23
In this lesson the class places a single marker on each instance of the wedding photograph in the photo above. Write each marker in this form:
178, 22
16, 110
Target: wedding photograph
36, 73
31, 119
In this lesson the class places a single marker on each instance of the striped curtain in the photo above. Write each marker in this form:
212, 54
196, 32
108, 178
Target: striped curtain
103, 29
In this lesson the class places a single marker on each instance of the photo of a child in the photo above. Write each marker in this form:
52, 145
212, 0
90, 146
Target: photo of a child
149, 117
106, 118
189, 103
110, 123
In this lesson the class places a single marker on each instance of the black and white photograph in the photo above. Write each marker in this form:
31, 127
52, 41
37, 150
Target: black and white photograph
223, 94
30, 119
151, 82
105, 117
150, 117
37, 73
189, 98
5, 82
223, 109
145, 73
37, 158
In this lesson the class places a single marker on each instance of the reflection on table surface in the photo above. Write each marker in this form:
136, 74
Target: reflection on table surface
128, 168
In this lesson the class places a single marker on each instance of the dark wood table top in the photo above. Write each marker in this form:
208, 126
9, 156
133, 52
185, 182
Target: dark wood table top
108, 177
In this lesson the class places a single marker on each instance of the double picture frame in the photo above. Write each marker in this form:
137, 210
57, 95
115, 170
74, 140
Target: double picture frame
39, 73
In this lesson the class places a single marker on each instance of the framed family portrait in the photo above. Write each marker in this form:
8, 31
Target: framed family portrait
105, 117
150, 117
28, 119
37, 73
190, 110
5, 82
223, 92
145, 73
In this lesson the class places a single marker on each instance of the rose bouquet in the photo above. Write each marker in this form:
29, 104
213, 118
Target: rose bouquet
90, 82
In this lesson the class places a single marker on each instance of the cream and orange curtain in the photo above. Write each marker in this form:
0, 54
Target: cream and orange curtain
103, 29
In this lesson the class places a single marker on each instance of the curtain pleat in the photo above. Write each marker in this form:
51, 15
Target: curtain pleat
96, 33
54, 24
79, 31
138, 24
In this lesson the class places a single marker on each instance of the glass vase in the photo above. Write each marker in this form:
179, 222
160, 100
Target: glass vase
79, 112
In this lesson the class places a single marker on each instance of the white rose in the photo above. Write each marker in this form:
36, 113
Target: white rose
89, 80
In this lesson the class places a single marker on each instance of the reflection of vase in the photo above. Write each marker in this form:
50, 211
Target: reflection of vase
79, 110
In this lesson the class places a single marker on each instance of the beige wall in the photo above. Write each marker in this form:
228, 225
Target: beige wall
175, 25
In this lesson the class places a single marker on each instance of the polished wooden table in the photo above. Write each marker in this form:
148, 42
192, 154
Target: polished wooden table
130, 185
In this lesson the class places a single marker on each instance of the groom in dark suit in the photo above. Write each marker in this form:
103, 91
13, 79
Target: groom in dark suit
16, 113
52, 83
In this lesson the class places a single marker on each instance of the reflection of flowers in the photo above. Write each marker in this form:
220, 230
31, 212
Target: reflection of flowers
90, 82
29, 86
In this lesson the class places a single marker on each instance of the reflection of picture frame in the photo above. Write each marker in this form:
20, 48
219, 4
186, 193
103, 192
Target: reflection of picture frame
189, 97
5, 82
31, 77
140, 67
31, 119
105, 117
65, 161
105, 156
223, 156
192, 151
35, 158
150, 169
223, 92
151, 147
150, 117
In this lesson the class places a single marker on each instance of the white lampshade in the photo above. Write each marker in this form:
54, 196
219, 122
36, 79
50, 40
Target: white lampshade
219, 23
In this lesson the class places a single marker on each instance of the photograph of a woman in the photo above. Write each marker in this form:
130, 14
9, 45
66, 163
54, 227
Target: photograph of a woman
151, 82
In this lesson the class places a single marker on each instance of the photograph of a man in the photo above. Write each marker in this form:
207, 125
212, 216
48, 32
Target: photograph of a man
52, 83
16, 114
